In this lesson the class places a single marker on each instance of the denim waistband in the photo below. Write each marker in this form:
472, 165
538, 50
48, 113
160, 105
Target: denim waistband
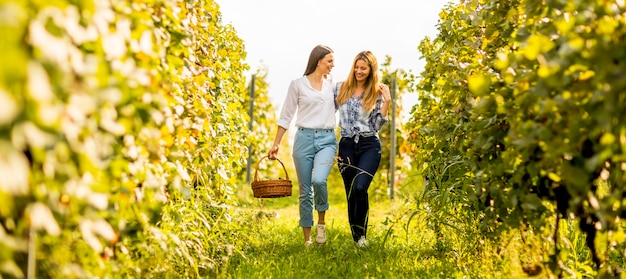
316, 130
367, 134
364, 135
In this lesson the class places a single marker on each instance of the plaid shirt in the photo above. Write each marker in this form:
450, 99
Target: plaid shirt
355, 122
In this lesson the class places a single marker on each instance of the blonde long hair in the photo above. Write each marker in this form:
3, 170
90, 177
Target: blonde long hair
371, 82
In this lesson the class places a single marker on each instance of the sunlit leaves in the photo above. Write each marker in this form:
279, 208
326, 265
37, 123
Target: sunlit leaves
8, 108
93, 229
544, 120
14, 172
41, 218
535, 45
479, 83
103, 105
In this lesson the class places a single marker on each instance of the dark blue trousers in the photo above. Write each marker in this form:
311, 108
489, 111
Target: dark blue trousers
358, 163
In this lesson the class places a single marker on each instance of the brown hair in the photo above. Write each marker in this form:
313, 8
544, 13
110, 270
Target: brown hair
371, 82
317, 54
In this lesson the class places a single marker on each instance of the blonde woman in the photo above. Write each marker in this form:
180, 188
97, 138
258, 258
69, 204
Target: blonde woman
363, 103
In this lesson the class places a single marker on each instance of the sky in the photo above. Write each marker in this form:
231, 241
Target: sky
280, 34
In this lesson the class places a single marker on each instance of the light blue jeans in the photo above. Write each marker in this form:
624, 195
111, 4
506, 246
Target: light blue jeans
313, 156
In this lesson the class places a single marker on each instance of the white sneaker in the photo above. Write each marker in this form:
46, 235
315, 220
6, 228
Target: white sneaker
321, 234
308, 243
362, 242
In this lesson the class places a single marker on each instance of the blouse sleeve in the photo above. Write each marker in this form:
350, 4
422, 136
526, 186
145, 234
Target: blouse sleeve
336, 92
289, 106
377, 120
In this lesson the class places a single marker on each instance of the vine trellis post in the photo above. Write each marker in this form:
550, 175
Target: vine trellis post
392, 136
251, 114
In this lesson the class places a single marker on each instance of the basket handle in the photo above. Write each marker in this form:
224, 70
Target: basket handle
259, 163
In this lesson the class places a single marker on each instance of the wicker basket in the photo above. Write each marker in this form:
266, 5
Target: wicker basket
273, 188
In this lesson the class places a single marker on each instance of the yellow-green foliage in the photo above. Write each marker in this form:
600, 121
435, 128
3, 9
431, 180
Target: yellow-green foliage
263, 124
116, 118
521, 121
380, 184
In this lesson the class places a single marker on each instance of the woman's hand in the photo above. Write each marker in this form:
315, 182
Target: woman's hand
273, 152
383, 89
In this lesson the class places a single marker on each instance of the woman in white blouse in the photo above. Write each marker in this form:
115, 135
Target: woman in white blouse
311, 97
363, 103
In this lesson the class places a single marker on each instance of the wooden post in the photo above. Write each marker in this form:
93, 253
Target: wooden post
392, 136
251, 114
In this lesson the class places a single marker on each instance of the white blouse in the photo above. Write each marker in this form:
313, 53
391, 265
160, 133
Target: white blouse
315, 109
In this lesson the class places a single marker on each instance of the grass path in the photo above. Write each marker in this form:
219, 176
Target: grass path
272, 246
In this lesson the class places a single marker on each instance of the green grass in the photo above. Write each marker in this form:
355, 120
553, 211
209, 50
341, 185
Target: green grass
402, 244
274, 249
